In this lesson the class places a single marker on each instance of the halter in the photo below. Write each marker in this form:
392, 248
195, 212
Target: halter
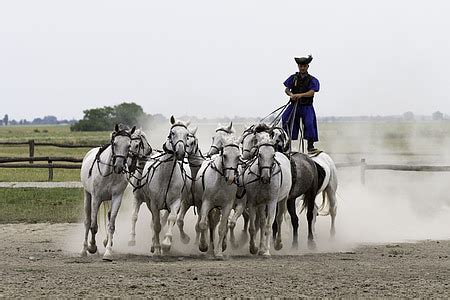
136, 156
114, 135
245, 134
97, 160
258, 175
171, 141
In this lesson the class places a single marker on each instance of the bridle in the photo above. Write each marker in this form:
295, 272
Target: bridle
169, 138
115, 134
261, 168
248, 132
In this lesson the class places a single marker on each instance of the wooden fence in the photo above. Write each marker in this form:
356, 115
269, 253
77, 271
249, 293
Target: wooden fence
75, 163
51, 162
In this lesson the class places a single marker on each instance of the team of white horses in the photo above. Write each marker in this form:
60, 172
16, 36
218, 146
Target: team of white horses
253, 175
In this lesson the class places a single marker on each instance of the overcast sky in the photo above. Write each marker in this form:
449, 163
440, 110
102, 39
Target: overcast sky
222, 58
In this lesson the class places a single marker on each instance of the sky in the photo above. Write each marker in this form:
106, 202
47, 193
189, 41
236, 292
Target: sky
222, 58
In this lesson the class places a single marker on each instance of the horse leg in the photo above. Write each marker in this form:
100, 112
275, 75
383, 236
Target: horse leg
281, 209
333, 209
136, 206
223, 229
106, 207
267, 228
238, 211
87, 222
171, 220
252, 230
294, 221
197, 227
116, 201
180, 222
156, 247
213, 220
95, 204
202, 225
310, 216
262, 218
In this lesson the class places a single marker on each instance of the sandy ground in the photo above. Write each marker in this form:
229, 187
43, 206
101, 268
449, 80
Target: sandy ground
392, 239
36, 261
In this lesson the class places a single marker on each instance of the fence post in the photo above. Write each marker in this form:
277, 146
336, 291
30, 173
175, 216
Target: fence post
31, 148
50, 170
363, 171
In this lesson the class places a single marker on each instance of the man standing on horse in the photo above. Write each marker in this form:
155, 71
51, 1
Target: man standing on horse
301, 87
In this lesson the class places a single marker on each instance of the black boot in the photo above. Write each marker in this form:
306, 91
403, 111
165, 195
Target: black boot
311, 146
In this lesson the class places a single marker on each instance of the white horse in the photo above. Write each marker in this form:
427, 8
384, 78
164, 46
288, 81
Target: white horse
267, 180
103, 178
195, 160
141, 151
167, 183
314, 174
216, 181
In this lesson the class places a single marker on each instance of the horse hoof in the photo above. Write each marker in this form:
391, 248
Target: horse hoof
131, 243
278, 246
166, 248
265, 254
220, 256
92, 249
312, 245
202, 247
185, 239
253, 250
294, 245
83, 253
152, 249
108, 255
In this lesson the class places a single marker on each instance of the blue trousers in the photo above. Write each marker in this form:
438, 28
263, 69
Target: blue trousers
308, 116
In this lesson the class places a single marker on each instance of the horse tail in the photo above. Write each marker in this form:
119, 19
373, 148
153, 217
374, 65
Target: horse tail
325, 204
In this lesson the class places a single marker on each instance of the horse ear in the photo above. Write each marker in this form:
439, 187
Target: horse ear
133, 130
116, 128
230, 126
172, 120
188, 123
193, 131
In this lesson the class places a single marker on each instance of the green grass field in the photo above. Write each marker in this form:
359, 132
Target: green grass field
58, 205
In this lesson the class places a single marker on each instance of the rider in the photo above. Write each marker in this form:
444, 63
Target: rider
301, 87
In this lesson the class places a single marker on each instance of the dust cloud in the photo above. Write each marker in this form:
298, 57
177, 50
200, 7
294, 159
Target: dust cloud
392, 206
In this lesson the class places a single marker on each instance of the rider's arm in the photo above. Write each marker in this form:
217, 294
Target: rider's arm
309, 93
288, 92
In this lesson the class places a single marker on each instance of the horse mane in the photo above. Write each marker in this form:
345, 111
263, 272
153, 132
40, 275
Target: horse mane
261, 127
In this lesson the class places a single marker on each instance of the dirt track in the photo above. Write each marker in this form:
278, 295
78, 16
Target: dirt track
35, 261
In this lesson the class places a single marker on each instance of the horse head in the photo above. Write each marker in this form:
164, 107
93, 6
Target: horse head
266, 156
230, 154
178, 137
192, 142
221, 134
139, 149
120, 146
248, 142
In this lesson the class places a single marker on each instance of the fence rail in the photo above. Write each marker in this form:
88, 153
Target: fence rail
14, 162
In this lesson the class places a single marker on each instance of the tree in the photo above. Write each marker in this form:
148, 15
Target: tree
103, 119
96, 119
5, 120
408, 116
437, 116
128, 113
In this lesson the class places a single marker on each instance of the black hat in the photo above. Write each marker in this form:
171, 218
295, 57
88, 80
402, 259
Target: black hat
303, 60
